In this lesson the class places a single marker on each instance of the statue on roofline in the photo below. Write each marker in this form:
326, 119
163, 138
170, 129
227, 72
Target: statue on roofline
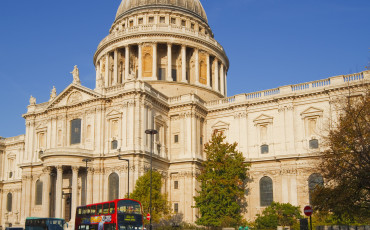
32, 100
76, 75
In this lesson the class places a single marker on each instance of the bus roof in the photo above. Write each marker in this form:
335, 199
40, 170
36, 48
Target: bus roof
115, 201
43, 218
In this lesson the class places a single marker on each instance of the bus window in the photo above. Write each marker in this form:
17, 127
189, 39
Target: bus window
106, 208
100, 209
111, 208
93, 210
87, 210
79, 211
109, 226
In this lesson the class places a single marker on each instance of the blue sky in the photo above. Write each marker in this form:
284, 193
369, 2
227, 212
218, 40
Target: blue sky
270, 43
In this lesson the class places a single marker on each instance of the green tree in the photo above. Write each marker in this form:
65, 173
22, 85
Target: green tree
223, 179
160, 207
345, 164
278, 214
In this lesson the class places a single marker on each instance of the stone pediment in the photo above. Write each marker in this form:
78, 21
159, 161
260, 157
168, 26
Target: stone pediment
263, 118
312, 112
113, 113
72, 95
220, 125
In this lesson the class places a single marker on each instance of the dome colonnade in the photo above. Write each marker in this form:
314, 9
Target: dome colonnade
164, 44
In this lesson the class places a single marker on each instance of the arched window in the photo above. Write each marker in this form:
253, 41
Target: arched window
313, 181
113, 186
266, 192
38, 192
9, 202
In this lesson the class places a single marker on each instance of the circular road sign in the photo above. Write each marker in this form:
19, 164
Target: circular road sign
308, 210
148, 216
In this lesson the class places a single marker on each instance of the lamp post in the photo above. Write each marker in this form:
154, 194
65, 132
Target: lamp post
151, 132
128, 172
86, 160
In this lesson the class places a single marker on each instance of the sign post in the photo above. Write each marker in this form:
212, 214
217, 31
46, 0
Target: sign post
308, 212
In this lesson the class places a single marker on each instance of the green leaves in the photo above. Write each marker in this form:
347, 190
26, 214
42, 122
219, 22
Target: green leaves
222, 184
160, 206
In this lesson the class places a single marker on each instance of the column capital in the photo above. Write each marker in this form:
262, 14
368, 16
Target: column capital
75, 169
46, 170
59, 168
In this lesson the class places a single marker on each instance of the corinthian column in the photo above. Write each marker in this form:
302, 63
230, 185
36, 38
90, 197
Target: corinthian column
74, 190
127, 61
106, 70
115, 71
197, 66
154, 76
222, 79
183, 63
46, 192
140, 66
216, 82
169, 62
208, 72
58, 195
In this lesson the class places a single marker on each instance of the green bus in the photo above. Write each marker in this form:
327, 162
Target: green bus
36, 223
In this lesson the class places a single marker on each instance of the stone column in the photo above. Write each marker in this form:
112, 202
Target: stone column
74, 190
90, 182
106, 70
58, 197
154, 77
127, 61
197, 66
46, 192
115, 71
222, 78
183, 63
97, 70
216, 82
225, 84
140, 66
208, 72
169, 62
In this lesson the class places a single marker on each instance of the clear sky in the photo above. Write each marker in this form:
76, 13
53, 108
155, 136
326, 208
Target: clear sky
270, 43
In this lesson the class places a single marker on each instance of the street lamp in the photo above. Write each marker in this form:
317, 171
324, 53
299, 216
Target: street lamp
151, 132
128, 172
86, 160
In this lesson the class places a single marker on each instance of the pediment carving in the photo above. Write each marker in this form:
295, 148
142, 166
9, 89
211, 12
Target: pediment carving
113, 113
220, 125
74, 97
312, 112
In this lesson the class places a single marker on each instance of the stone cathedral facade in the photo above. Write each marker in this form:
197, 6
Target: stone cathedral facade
161, 68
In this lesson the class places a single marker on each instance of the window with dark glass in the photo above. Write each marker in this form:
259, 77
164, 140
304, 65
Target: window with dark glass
174, 74
131, 23
93, 210
9, 202
111, 208
183, 22
173, 20
75, 131
176, 184
314, 144
113, 185
151, 19
106, 208
162, 20
38, 200
114, 144
141, 21
176, 138
266, 191
100, 209
315, 180
176, 208
264, 149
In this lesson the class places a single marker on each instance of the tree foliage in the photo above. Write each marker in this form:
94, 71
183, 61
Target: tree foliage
222, 184
346, 163
278, 214
160, 207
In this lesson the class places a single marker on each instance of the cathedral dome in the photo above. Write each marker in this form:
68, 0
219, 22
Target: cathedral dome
193, 7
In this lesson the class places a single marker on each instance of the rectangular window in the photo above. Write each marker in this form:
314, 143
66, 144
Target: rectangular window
176, 138
141, 21
151, 19
162, 20
264, 149
174, 74
183, 22
111, 208
162, 74
176, 208
93, 210
192, 26
106, 208
100, 209
76, 131
173, 20
131, 23
176, 184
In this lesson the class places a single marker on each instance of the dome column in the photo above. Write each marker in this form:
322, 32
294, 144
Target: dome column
58, 197
216, 82
115, 70
155, 58
196, 66
169, 62
127, 61
183, 64
74, 192
208, 71
106, 80
222, 79
140, 65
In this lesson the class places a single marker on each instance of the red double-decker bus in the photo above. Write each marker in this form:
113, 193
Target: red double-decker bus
120, 214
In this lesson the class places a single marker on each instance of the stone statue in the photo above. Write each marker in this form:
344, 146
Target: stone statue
76, 75
53, 93
32, 100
